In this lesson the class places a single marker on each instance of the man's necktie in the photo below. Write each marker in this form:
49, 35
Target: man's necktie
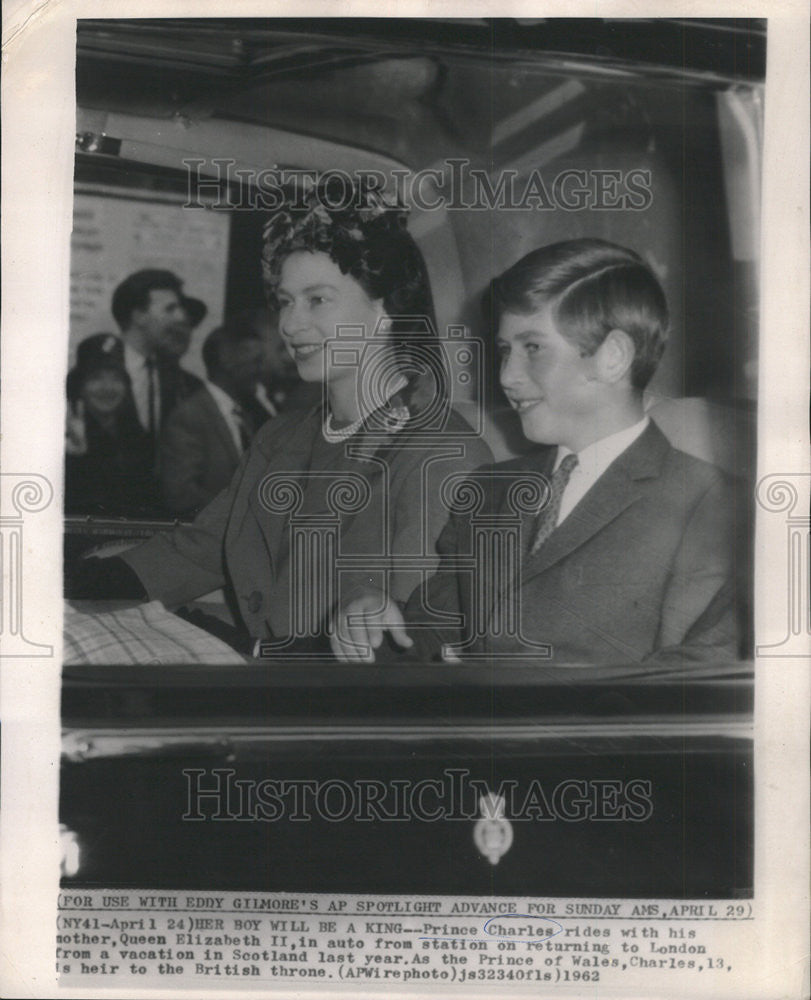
152, 414
548, 517
244, 436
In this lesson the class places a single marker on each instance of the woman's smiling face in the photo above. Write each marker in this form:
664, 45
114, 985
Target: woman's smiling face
315, 300
103, 391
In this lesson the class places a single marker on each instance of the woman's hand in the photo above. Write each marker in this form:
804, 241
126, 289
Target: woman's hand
356, 642
75, 430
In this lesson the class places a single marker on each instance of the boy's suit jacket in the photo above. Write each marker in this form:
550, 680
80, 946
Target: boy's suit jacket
641, 568
198, 454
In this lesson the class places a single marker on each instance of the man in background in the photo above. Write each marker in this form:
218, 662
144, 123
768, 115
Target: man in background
281, 388
156, 321
206, 435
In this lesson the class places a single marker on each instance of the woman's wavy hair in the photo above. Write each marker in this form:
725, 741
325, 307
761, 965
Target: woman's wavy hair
366, 237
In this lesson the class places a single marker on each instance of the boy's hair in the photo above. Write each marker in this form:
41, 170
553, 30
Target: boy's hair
593, 287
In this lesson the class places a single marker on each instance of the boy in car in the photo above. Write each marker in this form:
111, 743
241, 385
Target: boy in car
628, 558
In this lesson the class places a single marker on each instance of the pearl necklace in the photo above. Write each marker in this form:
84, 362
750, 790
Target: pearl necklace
334, 435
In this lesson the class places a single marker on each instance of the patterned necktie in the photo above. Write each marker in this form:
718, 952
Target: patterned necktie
548, 517
244, 436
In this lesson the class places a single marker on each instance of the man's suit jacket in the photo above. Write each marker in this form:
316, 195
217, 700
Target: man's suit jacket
241, 538
198, 454
175, 385
641, 568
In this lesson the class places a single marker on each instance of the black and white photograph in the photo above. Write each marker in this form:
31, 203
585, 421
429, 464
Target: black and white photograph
410, 477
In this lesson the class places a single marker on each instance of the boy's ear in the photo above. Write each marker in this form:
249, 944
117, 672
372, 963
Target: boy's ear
615, 356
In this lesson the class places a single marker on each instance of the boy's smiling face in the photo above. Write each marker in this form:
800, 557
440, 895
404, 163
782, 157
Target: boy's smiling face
556, 392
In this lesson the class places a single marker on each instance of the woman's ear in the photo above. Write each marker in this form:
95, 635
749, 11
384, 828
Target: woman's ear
615, 356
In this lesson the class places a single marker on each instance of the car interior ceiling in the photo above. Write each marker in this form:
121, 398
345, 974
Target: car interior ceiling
265, 88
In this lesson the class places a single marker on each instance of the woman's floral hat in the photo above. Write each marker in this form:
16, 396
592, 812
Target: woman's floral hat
335, 217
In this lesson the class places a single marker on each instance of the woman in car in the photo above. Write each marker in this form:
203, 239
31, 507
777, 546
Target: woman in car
347, 496
108, 458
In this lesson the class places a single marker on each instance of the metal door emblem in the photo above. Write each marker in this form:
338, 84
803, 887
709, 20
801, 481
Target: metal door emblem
493, 833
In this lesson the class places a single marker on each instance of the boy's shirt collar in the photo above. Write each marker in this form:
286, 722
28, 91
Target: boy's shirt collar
600, 454
593, 461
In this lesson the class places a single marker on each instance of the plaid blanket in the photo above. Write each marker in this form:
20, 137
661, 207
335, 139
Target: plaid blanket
145, 633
